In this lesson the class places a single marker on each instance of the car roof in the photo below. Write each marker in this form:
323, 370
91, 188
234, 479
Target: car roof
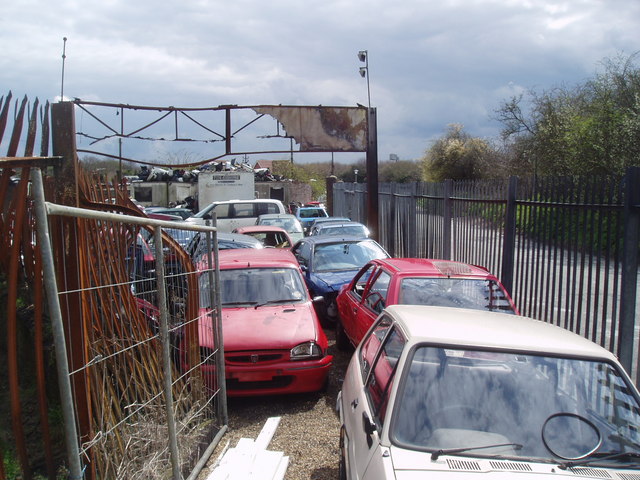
257, 258
332, 219
252, 200
320, 239
430, 266
461, 327
278, 215
259, 229
329, 225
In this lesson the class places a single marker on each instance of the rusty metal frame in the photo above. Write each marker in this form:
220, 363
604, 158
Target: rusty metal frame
338, 122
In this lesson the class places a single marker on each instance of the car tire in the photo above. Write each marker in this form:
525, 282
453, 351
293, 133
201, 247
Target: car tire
342, 464
342, 341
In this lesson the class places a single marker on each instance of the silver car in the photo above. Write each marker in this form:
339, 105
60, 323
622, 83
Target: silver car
436, 392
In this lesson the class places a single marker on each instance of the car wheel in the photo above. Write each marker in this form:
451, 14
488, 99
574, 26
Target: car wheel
342, 341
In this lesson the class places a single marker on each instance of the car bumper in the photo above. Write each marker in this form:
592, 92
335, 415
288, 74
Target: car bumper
275, 379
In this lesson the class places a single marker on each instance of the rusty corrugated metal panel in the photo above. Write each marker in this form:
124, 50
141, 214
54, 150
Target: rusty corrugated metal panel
21, 263
17, 129
322, 129
19, 206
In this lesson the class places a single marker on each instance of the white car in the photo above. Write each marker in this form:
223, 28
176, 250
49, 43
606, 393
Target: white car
231, 214
443, 393
283, 220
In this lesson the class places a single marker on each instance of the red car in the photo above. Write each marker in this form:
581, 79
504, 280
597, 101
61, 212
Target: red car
414, 281
273, 342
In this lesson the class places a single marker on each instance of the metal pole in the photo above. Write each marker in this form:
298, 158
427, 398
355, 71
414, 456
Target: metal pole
509, 245
368, 89
166, 354
372, 173
51, 289
628, 293
64, 56
447, 219
216, 321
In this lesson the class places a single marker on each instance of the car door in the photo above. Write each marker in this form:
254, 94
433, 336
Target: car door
351, 302
367, 392
373, 302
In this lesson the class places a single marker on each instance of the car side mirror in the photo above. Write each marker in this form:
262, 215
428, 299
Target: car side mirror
206, 216
318, 299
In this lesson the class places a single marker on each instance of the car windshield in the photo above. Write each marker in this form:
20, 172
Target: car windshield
345, 255
452, 399
288, 224
256, 286
312, 212
477, 294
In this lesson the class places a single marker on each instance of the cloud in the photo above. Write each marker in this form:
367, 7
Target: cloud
431, 62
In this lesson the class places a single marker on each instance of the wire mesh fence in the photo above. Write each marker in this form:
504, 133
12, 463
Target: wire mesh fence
152, 413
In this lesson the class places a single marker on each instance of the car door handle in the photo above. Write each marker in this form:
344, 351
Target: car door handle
354, 403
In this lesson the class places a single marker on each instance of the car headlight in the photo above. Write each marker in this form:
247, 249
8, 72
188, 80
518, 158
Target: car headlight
306, 351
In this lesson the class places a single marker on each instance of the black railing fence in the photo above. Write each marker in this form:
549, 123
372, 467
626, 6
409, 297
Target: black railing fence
566, 248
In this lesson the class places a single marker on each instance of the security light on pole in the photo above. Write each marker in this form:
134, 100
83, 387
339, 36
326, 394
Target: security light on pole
363, 56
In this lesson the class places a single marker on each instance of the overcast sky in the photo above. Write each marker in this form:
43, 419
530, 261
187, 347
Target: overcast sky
431, 62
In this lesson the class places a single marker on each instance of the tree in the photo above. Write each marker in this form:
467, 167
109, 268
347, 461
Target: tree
457, 156
312, 174
589, 129
402, 171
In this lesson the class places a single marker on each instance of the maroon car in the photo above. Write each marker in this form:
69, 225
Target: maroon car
414, 281
273, 342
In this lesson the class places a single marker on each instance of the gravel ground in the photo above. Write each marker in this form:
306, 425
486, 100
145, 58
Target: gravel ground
309, 428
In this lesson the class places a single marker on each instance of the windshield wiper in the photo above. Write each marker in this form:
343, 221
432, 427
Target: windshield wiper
238, 303
284, 300
600, 456
449, 451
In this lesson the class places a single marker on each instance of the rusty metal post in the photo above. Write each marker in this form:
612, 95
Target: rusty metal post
68, 258
372, 173
64, 145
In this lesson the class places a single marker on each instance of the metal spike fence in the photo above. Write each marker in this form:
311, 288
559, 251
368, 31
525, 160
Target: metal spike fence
129, 301
566, 248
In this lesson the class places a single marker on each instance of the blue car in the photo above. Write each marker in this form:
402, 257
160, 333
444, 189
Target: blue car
328, 262
307, 215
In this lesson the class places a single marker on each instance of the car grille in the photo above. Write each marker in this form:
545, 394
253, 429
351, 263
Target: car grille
253, 358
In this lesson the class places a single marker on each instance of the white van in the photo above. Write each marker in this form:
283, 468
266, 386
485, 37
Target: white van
232, 214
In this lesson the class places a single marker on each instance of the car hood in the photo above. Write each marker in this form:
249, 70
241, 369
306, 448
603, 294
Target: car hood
267, 327
412, 465
331, 281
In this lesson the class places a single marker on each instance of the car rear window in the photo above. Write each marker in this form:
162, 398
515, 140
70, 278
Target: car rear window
477, 294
